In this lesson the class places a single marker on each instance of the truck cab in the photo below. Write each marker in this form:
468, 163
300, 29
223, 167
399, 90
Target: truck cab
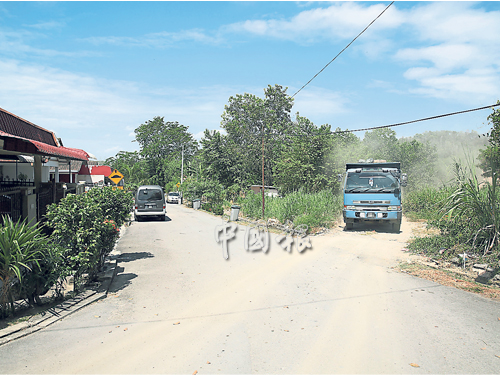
372, 192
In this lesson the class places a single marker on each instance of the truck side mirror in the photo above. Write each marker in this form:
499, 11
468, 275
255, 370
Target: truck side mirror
404, 179
339, 178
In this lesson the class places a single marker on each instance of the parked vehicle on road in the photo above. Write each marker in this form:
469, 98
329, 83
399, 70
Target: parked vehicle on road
150, 202
174, 197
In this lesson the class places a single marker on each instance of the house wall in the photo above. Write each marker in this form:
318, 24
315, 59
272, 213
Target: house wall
272, 192
64, 177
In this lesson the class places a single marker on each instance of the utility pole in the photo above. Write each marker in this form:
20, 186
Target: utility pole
182, 162
262, 131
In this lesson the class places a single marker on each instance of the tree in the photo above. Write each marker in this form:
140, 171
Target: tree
303, 163
345, 147
162, 143
380, 144
131, 165
418, 161
248, 120
217, 157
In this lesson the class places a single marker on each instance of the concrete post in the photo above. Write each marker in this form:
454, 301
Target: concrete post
38, 172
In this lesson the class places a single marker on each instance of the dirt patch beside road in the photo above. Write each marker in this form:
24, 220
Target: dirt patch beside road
396, 256
449, 278
443, 272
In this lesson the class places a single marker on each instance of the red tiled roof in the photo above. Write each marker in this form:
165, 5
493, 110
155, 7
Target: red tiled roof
15, 125
72, 153
101, 170
29, 146
95, 170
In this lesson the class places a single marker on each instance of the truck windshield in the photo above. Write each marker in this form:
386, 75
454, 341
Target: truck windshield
368, 181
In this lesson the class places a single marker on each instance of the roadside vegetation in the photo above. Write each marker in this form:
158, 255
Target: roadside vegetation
302, 160
465, 214
459, 201
76, 237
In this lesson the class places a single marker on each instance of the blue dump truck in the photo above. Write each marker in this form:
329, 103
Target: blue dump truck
372, 192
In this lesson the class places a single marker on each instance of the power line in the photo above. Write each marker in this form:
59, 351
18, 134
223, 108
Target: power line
419, 120
366, 28
400, 123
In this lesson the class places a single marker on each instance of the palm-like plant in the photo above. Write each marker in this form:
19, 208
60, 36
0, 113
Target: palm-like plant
478, 204
20, 248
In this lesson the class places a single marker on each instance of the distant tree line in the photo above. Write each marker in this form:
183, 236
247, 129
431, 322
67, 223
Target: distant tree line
298, 155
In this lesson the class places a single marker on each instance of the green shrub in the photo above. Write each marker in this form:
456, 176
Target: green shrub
211, 191
86, 228
47, 273
474, 209
21, 248
216, 209
115, 204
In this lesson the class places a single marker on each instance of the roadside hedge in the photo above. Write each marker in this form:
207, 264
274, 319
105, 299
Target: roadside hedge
86, 227
83, 231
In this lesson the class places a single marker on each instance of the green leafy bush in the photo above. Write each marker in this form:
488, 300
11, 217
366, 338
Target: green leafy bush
212, 191
21, 248
115, 204
474, 209
49, 272
86, 228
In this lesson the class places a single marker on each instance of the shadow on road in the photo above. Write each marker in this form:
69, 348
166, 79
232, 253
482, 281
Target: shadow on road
121, 280
130, 257
153, 218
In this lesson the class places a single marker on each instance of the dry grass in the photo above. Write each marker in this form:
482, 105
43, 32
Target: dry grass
449, 278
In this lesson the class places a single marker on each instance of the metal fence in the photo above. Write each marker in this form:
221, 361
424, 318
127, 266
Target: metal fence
11, 204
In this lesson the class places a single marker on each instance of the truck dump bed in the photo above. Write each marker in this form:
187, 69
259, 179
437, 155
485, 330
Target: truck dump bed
396, 165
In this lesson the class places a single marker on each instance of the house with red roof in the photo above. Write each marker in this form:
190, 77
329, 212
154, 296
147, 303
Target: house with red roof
31, 176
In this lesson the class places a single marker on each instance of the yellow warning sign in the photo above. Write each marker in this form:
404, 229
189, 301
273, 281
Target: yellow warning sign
115, 176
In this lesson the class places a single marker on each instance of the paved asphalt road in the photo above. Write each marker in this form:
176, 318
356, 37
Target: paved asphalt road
177, 306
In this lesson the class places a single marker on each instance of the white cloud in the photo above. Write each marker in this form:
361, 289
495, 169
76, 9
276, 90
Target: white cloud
158, 40
15, 44
78, 107
456, 22
463, 61
338, 21
456, 40
49, 25
459, 86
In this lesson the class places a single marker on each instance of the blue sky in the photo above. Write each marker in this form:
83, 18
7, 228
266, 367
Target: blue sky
94, 71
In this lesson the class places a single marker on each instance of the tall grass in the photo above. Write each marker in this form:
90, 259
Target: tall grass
320, 209
467, 215
425, 203
477, 204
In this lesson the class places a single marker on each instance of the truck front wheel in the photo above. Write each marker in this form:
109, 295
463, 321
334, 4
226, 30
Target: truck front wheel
396, 227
